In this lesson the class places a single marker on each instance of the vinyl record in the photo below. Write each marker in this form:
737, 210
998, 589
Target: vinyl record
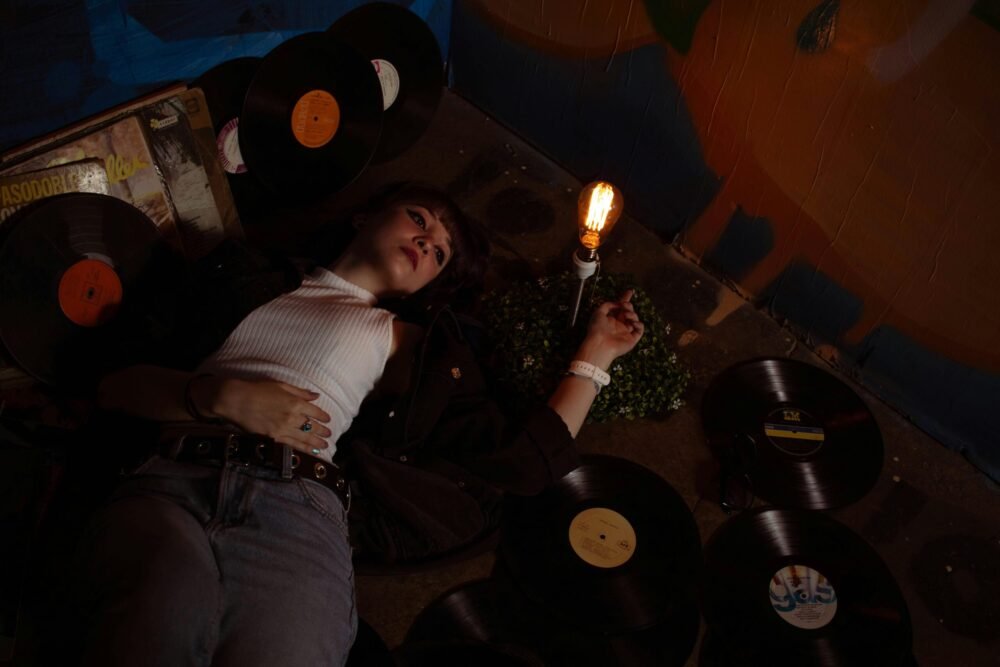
802, 437
716, 652
459, 653
225, 87
408, 62
369, 649
610, 547
311, 119
794, 587
498, 613
77, 269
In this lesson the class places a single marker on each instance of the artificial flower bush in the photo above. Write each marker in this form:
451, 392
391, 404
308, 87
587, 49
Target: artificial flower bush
529, 324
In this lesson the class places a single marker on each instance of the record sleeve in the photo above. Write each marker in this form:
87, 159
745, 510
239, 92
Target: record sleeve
225, 88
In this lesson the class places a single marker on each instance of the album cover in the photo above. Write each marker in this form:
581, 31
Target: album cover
130, 167
88, 125
176, 153
19, 190
200, 120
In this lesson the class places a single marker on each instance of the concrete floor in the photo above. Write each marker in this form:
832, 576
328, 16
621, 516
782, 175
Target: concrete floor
932, 517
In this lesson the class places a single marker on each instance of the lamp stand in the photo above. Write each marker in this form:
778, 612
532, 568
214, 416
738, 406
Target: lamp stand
585, 260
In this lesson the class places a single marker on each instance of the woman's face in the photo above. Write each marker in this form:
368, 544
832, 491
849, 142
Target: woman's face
407, 245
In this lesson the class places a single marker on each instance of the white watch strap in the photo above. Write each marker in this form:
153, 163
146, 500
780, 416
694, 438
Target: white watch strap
588, 370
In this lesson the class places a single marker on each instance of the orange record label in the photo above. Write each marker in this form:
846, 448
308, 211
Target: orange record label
90, 292
602, 537
315, 118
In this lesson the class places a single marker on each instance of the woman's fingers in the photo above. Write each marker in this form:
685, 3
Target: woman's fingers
300, 392
304, 443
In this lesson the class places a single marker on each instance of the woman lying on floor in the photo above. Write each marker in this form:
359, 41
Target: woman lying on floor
230, 545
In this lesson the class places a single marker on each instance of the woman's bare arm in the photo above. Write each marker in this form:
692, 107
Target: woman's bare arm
274, 409
614, 329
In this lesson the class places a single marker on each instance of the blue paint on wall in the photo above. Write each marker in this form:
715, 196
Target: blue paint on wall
956, 404
620, 119
743, 244
63, 62
813, 302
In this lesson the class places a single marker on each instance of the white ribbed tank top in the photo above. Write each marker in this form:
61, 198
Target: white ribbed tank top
327, 336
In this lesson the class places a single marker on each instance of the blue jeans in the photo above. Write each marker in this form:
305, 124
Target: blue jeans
194, 565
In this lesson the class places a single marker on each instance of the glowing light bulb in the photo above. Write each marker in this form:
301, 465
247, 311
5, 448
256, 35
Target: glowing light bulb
598, 209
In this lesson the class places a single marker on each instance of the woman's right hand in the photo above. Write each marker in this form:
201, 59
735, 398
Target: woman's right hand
275, 409
614, 329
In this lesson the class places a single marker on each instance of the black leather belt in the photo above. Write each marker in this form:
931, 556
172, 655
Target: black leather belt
219, 445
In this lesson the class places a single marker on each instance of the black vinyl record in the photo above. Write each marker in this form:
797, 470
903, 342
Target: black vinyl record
461, 653
802, 437
794, 587
311, 119
225, 87
496, 612
77, 270
610, 546
369, 649
408, 61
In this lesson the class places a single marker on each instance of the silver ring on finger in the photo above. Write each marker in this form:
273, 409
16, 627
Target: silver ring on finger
306, 425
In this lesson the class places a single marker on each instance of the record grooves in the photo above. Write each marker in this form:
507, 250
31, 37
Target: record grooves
610, 546
311, 119
793, 587
802, 437
225, 87
77, 271
406, 56
494, 611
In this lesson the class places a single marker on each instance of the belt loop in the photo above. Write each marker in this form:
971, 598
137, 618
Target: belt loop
286, 462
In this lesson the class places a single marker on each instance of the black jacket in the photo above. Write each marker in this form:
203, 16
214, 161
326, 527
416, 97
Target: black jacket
429, 467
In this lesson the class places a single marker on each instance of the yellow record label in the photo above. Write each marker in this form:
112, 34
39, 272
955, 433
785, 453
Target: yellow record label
315, 118
602, 537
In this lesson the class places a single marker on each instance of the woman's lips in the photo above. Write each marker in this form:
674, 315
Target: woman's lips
412, 254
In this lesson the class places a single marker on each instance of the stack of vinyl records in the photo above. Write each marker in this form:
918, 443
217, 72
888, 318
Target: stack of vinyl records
301, 123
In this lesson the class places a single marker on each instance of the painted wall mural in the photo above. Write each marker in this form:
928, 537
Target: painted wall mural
64, 61
834, 158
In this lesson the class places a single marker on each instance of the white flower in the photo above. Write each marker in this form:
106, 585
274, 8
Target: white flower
519, 326
527, 361
666, 329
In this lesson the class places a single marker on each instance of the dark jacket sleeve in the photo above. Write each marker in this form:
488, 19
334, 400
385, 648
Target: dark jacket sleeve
433, 465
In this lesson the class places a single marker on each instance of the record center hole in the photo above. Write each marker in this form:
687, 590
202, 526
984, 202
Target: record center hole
316, 119
90, 292
602, 537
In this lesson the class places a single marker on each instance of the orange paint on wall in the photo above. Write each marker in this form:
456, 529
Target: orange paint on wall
875, 167
570, 28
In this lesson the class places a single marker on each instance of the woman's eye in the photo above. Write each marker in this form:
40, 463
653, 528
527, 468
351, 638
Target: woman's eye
440, 255
417, 218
